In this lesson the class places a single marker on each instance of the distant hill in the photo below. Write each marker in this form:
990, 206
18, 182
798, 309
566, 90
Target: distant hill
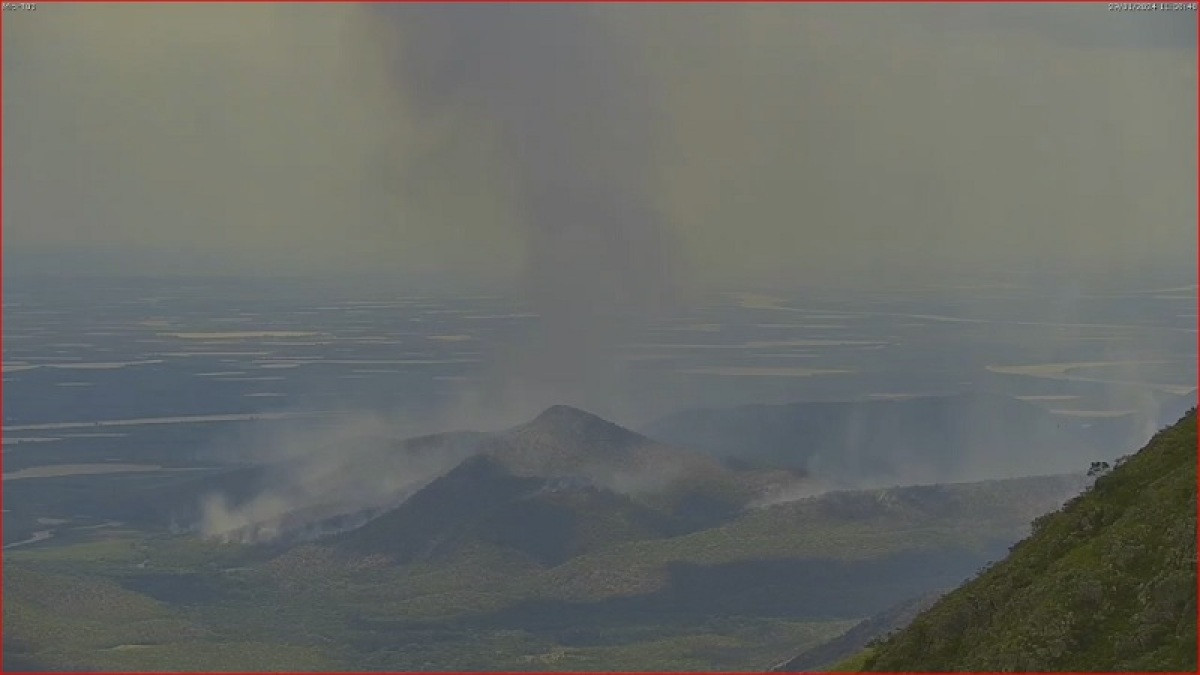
1106, 583
930, 439
563, 449
565, 442
587, 549
355, 482
548, 499
480, 501
568, 442
559, 486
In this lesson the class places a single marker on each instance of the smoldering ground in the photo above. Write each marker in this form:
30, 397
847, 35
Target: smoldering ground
319, 473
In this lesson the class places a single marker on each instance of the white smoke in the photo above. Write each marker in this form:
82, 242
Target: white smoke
345, 470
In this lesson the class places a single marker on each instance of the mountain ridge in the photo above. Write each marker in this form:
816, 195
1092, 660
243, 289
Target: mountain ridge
939, 438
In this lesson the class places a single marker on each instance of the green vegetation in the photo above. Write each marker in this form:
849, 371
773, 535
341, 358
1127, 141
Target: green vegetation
854, 664
379, 619
1106, 583
489, 568
114, 599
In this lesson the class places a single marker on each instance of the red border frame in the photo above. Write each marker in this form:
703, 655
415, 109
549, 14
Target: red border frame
524, 2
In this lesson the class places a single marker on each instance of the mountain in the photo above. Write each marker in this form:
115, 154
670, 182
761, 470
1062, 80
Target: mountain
565, 543
548, 498
918, 440
1106, 583
565, 441
336, 488
481, 502
333, 485
559, 486
837, 555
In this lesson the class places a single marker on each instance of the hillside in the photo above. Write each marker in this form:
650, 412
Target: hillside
854, 640
1106, 583
480, 501
565, 442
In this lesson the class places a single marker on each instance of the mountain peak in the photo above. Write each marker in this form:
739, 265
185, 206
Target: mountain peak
571, 424
570, 427
565, 414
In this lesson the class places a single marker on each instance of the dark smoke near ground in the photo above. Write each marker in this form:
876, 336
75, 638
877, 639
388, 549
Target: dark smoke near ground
575, 125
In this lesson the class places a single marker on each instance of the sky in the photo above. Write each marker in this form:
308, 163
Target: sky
600, 150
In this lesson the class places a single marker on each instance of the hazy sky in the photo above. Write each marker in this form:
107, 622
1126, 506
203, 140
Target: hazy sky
743, 144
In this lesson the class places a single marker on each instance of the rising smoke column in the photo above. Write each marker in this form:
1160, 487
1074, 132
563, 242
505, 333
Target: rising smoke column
576, 123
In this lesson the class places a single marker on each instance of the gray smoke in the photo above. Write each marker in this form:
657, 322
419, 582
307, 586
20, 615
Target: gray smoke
574, 125
328, 477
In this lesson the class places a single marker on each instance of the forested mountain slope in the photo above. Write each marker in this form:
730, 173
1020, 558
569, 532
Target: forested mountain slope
1106, 583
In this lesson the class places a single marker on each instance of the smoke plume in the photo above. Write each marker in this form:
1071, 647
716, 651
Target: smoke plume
328, 477
575, 125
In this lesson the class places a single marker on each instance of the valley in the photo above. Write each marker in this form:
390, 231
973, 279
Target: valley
181, 517
523, 556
